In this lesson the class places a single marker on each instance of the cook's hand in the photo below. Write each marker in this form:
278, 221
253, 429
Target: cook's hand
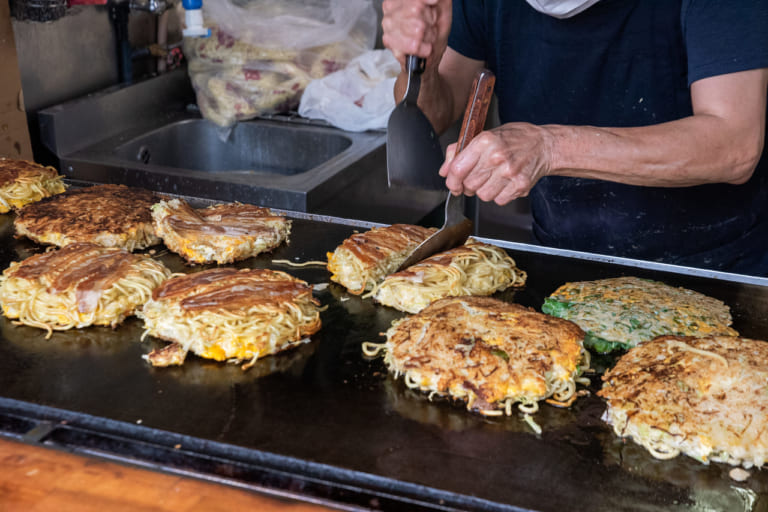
501, 164
416, 27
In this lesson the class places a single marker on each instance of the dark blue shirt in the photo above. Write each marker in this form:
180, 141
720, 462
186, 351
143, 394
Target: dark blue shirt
627, 63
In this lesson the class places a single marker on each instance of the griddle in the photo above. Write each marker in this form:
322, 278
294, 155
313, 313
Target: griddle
327, 425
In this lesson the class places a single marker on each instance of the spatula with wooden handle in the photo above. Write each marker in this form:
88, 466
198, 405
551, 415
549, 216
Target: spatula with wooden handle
457, 227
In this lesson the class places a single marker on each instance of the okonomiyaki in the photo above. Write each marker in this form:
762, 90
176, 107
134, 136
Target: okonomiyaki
231, 315
621, 312
220, 233
475, 268
106, 215
23, 182
705, 397
486, 352
79, 285
364, 259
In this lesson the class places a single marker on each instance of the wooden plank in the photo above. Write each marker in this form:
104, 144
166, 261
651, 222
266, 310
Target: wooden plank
37, 479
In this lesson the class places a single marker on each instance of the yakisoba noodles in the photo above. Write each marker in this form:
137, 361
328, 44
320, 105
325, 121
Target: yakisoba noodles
364, 259
705, 397
79, 285
473, 269
23, 182
486, 352
221, 233
231, 315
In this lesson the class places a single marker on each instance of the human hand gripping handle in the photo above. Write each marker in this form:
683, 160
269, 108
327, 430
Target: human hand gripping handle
476, 111
457, 227
500, 164
473, 123
416, 28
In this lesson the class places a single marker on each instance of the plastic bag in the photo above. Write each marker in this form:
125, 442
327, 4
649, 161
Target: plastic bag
262, 54
357, 98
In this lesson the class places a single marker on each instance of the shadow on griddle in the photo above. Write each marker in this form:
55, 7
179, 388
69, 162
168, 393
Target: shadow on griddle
93, 340
6, 224
198, 371
23, 248
709, 484
451, 414
366, 310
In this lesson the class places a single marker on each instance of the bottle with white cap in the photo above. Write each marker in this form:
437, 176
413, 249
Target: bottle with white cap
193, 19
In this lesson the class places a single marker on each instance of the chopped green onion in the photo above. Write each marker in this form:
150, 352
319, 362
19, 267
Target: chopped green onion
500, 353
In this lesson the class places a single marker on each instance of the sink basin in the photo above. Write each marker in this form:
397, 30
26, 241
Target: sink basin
280, 164
146, 134
195, 144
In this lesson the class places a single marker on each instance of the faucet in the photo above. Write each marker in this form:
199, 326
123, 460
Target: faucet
154, 6
119, 11
193, 19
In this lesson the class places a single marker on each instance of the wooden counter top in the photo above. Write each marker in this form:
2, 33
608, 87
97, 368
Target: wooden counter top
36, 479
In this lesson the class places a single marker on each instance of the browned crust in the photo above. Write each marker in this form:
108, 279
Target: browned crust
12, 169
661, 382
231, 289
83, 213
231, 219
496, 345
170, 355
83, 267
379, 243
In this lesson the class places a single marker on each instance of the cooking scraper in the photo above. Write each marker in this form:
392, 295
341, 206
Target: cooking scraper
457, 227
414, 154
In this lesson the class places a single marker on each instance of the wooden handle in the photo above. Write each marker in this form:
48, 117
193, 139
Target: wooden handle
477, 107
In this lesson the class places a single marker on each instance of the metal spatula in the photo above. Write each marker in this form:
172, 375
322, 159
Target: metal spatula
414, 155
457, 227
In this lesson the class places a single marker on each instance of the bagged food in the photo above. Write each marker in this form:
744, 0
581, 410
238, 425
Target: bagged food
263, 53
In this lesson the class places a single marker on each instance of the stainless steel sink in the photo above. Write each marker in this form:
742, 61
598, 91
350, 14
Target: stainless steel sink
195, 144
146, 135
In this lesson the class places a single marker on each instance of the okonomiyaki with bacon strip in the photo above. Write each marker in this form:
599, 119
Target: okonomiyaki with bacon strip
362, 261
23, 182
231, 315
79, 285
221, 233
475, 268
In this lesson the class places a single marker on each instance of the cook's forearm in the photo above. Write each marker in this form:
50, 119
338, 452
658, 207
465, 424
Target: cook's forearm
721, 143
691, 151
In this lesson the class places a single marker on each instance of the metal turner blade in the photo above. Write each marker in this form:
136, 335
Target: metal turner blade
457, 227
414, 155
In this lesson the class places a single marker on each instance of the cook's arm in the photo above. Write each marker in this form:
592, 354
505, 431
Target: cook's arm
720, 143
421, 27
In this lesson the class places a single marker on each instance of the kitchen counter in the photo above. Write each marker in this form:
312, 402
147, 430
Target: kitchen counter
34, 478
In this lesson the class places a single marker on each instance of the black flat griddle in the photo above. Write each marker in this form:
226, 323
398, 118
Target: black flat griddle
325, 424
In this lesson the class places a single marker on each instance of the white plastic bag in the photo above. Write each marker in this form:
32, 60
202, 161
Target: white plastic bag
294, 24
357, 98
263, 53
